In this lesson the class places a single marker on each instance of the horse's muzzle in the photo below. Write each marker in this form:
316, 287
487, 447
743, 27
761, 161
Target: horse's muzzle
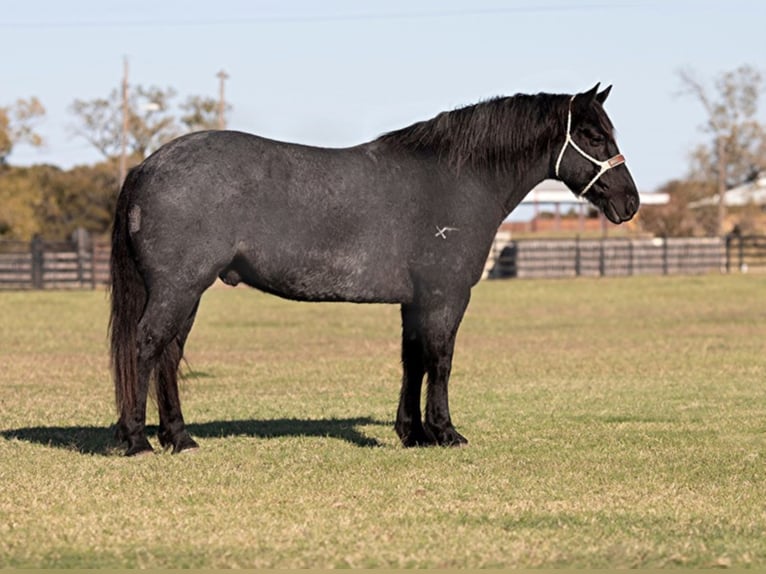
620, 209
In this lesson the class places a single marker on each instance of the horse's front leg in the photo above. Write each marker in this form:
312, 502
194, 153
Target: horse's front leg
436, 321
409, 424
438, 421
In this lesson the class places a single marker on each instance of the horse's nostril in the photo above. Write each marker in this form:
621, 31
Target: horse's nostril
632, 204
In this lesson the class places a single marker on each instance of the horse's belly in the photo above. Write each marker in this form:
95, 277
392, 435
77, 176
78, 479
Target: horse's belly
316, 276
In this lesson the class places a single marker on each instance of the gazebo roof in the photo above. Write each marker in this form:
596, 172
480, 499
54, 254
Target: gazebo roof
554, 191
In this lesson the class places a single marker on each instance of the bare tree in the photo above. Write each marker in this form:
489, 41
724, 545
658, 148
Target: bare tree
150, 121
675, 219
200, 113
17, 125
738, 141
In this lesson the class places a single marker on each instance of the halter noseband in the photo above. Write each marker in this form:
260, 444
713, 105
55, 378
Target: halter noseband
604, 166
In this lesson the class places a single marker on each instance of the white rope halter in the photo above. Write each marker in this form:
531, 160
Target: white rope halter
604, 166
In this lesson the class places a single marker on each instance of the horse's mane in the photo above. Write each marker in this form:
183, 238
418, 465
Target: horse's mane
490, 134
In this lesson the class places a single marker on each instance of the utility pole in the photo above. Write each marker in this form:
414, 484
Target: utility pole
124, 131
222, 76
721, 160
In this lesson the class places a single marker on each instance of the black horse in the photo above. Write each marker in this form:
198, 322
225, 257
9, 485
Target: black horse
407, 218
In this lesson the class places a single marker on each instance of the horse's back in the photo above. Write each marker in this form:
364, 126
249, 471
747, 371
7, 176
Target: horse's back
298, 221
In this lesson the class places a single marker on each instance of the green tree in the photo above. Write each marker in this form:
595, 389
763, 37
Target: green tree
48, 201
80, 197
21, 199
17, 125
736, 149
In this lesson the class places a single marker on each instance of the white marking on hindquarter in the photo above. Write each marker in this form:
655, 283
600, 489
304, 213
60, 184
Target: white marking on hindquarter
441, 231
134, 219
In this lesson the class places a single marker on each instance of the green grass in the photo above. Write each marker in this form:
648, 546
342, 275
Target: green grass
612, 423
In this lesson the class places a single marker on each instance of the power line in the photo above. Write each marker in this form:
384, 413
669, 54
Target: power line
310, 19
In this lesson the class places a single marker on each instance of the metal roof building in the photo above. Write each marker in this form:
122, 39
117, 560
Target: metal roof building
752, 192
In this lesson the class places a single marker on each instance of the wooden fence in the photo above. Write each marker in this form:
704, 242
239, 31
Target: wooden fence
606, 257
84, 263
77, 264
745, 252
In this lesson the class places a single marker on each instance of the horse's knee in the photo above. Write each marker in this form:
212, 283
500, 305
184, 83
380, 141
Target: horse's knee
153, 337
148, 350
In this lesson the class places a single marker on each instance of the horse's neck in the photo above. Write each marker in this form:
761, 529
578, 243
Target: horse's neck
511, 188
511, 159
531, 165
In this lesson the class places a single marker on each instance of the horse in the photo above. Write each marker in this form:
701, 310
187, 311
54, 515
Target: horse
407, 218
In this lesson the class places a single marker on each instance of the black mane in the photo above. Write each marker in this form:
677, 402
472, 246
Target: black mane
490, 134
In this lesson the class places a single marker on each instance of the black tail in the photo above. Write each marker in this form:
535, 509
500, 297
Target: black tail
128, 301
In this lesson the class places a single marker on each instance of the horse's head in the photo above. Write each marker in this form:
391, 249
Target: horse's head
588, 160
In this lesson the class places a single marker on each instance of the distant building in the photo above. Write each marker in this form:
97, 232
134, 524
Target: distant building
551, 195
751, 193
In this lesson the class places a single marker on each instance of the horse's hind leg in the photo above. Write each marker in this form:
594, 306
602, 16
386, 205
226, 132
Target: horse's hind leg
172, 432
166, 311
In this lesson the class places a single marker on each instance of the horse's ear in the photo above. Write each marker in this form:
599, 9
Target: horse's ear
601, 97
587, 98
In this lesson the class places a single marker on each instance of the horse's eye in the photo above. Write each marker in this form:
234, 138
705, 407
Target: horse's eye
594, 137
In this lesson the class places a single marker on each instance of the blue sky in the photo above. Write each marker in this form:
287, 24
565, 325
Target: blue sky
340, 72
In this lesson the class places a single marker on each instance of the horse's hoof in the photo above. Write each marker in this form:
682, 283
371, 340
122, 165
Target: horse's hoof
139, 447
456, 439
186, 445
450, 437
139, 452
417, 437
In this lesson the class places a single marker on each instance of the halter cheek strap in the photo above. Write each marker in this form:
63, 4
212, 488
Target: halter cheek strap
603, 166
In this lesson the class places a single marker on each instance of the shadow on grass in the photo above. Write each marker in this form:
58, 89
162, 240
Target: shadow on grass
101, 440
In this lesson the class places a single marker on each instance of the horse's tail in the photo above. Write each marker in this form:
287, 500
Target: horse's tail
128, 298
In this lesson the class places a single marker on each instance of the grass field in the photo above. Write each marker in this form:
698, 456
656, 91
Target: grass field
612, 423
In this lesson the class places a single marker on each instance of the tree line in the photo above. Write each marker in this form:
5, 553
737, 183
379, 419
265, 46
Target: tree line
51, 202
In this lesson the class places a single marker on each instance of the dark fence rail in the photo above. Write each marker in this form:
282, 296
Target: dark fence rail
745, 252
84, 263
615, 257
76, 264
